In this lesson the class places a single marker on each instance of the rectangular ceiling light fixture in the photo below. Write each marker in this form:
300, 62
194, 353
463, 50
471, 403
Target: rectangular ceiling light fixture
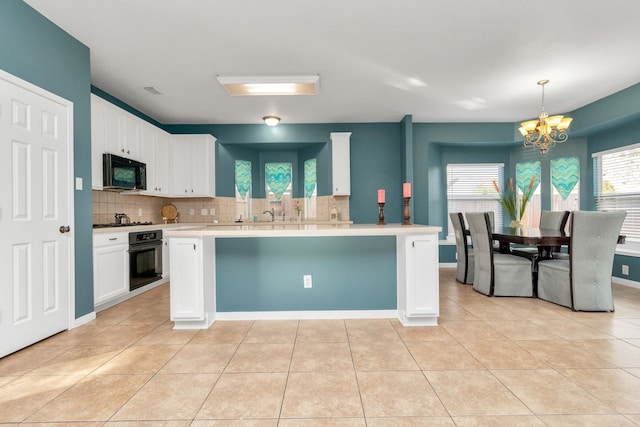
271, 85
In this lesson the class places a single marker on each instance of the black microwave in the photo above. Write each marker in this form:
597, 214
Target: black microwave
123, 174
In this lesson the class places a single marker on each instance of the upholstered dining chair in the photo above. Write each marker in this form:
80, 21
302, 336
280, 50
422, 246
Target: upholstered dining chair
495, 273
464, 264
583, 282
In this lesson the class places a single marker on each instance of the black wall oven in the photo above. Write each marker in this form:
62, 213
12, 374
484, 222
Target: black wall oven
145, 258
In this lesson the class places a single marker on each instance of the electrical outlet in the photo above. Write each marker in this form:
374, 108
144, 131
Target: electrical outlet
625, 270
139, 211
213, 211
308, 283
204, 212
192, 211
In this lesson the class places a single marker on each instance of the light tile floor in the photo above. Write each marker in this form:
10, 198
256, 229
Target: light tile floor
490, 362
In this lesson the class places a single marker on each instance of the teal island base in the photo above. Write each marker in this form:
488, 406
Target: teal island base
300, 273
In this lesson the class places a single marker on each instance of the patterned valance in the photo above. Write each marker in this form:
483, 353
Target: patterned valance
309, 177
243, 177
278, 177
565, 174
524, 172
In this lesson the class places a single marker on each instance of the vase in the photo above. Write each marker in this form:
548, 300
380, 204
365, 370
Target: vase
299, 216
515, 223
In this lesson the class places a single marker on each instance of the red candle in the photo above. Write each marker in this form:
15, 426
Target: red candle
406, 190
380, 196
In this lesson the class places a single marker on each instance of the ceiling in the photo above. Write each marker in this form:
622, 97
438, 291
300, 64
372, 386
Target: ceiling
440, 61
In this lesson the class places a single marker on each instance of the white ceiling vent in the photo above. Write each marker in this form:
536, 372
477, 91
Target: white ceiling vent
152, 90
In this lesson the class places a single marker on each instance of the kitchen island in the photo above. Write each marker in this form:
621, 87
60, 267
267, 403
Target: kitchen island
282, 270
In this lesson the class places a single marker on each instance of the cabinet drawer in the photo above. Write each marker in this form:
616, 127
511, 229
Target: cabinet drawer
110, 239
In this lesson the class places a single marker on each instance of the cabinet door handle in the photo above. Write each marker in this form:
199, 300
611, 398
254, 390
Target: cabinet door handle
64, 229
194, 246
113, 238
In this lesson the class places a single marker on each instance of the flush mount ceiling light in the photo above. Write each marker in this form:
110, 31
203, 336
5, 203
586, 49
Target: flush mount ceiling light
271, 85
271, 120
545, 132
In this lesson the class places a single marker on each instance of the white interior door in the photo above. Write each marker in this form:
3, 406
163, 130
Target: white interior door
36, 199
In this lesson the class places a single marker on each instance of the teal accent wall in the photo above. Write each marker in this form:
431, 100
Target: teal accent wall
634, 267
266, 274
34, 49
406, 141
436, 145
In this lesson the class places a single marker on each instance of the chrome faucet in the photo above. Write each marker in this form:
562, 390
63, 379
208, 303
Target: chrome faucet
273, 214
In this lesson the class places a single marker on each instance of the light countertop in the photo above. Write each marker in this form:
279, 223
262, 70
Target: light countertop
293, 229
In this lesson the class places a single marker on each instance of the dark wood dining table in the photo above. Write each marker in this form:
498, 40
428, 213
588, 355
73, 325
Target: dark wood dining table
545, 239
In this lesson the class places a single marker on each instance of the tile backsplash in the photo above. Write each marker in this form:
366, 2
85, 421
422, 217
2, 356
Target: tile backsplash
149, 208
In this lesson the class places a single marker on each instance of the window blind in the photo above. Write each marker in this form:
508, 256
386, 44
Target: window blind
617, 185
470, 189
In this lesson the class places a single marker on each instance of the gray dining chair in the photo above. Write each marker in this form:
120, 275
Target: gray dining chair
464, 262
583, 282
496, 274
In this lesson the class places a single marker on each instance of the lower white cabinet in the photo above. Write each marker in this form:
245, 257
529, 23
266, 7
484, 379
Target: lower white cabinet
192, 303
110, 266
418, 281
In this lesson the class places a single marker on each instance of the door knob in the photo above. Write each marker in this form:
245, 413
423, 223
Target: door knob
65, 229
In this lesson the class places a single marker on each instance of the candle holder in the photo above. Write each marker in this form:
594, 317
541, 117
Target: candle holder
407, 211
381, 214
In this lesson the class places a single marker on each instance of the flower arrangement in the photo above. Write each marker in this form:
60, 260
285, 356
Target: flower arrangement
297, 206
509, 200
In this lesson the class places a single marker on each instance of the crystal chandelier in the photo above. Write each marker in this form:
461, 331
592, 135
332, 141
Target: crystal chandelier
545, 132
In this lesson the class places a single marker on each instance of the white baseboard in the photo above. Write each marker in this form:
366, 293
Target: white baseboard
625, 282
84, 319
306, 315
447, 265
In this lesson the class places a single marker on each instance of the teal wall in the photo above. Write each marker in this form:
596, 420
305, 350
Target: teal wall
34, 49
266, 274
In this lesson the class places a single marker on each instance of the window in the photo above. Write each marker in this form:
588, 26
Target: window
617, 185
243, 189
525, 171
310, 189
565, 184
278, 188
470, 189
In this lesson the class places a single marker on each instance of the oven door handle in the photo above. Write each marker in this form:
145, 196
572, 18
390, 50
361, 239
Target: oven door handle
144, 246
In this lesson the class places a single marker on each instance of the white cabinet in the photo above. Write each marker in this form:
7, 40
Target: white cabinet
155, 153
341, 163
166, 258
192, 165
418, 281
192, 300
110, 266
114, 131
97, 142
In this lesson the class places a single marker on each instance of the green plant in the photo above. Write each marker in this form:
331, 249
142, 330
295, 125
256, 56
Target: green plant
509, 198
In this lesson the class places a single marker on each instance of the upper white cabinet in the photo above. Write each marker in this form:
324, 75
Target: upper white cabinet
177, 165
341, 163
155, 153
97, 142
114, 131
192, 165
